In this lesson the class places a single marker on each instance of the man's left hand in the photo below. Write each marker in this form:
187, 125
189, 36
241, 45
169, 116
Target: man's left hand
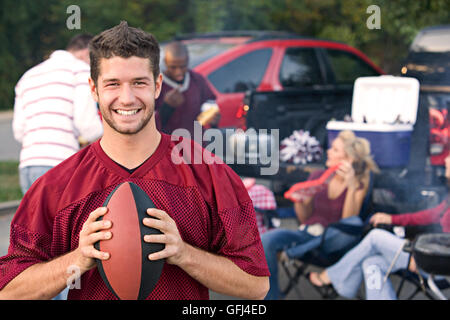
175, 247
215, 120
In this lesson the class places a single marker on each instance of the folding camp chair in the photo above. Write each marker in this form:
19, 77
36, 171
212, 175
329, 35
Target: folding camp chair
420, 285
323, 258
420, 246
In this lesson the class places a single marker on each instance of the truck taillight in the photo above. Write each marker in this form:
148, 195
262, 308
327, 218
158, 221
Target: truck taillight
242, 112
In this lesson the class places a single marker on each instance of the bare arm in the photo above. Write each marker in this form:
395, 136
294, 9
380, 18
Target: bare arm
353, 201
45, 280
303, 209
222, 275
213, 271
355, 194
40, 281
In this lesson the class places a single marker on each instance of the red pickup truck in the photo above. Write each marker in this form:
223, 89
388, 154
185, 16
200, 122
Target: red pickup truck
236, 62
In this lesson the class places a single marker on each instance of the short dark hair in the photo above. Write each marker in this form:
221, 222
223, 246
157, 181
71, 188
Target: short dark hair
177, 48
79, 42
123, 41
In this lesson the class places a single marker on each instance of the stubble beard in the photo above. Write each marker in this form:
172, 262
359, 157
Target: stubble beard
129, 131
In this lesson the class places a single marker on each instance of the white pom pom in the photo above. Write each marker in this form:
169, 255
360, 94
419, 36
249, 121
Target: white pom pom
300, 148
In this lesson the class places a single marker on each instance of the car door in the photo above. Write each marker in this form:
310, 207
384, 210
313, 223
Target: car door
344, 67
302, 76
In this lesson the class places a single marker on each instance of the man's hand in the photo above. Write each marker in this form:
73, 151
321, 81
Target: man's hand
215, 272
215, 120
174, 98
381, 218
92, 232
175, 247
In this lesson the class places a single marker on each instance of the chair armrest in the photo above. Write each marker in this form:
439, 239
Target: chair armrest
412, 232
343, 227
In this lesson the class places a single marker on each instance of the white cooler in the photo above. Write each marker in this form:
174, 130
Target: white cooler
381, 100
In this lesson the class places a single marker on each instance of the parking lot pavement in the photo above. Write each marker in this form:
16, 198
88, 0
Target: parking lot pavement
9, 147
5, 221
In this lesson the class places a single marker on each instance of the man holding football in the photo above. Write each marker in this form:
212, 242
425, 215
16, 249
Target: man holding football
205, 215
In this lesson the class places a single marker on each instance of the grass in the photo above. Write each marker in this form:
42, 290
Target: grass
9, 181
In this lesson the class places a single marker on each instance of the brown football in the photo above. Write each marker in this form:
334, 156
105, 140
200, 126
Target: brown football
128, 273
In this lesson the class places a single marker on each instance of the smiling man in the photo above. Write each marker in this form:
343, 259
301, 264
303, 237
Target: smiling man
205, 215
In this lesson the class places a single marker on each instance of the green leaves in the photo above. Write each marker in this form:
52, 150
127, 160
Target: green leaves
31, 30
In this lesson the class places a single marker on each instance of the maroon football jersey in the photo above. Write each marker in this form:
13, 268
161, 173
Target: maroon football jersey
208, 202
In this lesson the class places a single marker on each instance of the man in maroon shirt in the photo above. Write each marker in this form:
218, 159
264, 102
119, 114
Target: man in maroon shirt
184, 93
204, 212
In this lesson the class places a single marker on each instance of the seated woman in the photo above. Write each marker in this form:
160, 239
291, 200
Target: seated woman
341, 199
370, 260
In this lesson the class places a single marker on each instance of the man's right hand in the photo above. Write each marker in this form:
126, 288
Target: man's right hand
92, 232
381, 218
174, 98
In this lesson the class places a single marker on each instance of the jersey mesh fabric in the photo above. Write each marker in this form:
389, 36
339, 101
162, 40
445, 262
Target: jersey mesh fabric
231, 233
18, 257
91, 282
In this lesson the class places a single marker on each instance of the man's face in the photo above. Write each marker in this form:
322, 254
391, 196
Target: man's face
176, 67
126, 93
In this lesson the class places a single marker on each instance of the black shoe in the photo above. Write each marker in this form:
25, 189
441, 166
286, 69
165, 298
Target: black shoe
326, 291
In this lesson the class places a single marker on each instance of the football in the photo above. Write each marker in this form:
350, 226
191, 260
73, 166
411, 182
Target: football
128, 273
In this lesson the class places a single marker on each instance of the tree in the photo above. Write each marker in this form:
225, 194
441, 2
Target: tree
31, 30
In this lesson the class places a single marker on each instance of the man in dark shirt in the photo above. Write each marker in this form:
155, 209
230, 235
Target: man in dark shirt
184, 95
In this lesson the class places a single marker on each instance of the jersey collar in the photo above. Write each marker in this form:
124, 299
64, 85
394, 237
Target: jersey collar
110, 164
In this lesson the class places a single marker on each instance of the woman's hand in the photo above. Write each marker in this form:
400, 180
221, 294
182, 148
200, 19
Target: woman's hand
347, 172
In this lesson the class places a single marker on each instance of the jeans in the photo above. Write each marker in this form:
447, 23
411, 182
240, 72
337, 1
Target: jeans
62, 295
28, 175
296, 243
369, 261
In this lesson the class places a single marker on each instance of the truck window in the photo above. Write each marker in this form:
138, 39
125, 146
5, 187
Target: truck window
300, 68
241, 74
347, 67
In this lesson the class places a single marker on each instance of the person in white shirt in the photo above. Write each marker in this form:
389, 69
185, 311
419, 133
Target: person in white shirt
54, 110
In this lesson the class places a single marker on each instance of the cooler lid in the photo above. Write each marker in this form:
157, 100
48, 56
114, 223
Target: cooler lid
367, 127
384, 98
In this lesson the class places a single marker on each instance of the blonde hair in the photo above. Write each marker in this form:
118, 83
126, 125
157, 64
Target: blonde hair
359, 150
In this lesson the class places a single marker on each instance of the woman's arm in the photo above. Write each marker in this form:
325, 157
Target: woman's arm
303, 209
353, 201
356, 189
